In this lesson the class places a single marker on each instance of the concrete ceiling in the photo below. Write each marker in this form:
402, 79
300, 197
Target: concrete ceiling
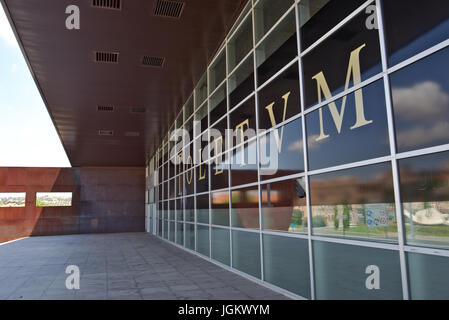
73, 84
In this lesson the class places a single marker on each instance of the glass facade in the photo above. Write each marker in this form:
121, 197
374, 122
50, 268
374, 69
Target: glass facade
342, 189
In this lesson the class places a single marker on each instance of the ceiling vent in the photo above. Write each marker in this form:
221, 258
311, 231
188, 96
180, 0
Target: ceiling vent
132, 134
148, 61
138, 110
107, 4
105, 108
106, 57
105, 132
170, 9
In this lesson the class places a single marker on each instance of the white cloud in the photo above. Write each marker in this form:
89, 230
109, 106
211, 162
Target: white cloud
6, 32
423, 134
424, 101
298, 145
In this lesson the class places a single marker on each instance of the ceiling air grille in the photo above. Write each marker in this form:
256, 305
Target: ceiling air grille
107, 4
106, 57
105, 132
171, 9
105, 108
153, 61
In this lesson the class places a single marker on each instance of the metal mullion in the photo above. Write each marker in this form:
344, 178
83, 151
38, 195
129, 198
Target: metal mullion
261, 247
422, 55
243, 186
229, 37
245, 229
359, 243
209, 182
217, 88
231, 73
351, 165
394, 163
344, 93
278, 22
274, 77
229, 162
422, 152
338, 26
283, 178
305, 156
428, 251
195, 219
238, 105
239, 146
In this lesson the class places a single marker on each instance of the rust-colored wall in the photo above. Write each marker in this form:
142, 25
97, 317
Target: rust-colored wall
105, 199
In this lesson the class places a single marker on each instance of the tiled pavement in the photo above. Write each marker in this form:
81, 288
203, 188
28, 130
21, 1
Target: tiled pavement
116, 266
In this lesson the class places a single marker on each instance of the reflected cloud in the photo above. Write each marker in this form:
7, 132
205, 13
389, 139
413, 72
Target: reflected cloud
423, 101
423, 134
298, 145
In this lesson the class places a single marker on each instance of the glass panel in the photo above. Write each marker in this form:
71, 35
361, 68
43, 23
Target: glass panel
278, 49
220, 208
165, 223
241, 82
202, 178
342, 271
245, 208
220, 245
219, 172
200, 124
219, 130
171, 210
179, 210
240, 44
200, 146
180, 234
284, 206
202, 208
267, 13
190, 236
218, 105
188, 108
280, 100
246, 252
286, 264
317, 17
188, 133
202, 240
190, 181
201, 91
15, 199
179, 180
217, 71
345, 59
243, 119
242, 16
425, 196
428, 278
420, 95
355, 203
189, 210
282, 151
429, 26
171, 234
358, 133
172, 188
244, 164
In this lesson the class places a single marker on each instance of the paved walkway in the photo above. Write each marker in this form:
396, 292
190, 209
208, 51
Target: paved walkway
116, 266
